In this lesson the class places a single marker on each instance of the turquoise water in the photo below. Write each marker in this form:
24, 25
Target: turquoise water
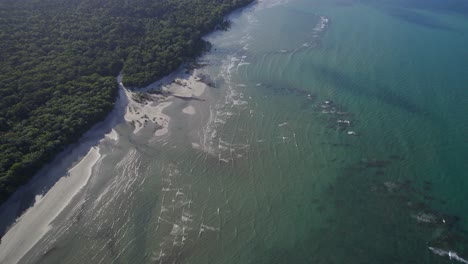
337, 133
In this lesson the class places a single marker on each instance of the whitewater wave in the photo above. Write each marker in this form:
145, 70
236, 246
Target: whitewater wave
451, 254
266, 4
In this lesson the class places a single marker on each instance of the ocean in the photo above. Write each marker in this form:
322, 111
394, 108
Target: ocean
333, 131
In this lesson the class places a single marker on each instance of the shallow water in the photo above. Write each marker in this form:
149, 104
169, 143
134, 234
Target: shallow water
336, 134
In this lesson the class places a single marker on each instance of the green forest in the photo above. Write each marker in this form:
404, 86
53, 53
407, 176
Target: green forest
59, 60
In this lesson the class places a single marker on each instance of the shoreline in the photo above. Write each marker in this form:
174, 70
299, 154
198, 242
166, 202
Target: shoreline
31, 210
146, 105
31, 194
28, 214
50, 188
70, 147
31, 227
102, 115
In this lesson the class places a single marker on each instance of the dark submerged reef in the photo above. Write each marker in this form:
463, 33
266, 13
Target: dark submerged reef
385, 206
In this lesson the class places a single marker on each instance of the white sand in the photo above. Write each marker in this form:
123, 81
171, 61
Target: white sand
189, 110
140, 114
189, 87
177, 85
161, 132
68, 179
36, 221
113, 135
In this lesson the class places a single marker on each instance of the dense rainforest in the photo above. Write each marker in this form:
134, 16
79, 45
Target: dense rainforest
59, 60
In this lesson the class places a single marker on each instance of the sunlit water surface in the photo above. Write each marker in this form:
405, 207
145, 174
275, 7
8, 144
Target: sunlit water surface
337, 133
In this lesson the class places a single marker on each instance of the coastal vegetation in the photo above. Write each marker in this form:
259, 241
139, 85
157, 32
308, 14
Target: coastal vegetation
59, 60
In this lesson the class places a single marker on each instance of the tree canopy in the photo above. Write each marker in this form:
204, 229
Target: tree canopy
59, 60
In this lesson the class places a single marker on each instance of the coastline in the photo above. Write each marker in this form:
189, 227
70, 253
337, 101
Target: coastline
273, 163
32, 209
36, 204
39, 164
145, 106
37, 220
178, 93
44, 180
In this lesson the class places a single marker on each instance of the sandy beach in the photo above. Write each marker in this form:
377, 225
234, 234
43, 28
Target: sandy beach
36, 221
189, 110
70, 174
146, 105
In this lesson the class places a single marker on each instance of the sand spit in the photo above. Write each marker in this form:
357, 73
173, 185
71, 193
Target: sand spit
112, 135
189, 110
189, 87
146, 105
65, 181
36, 221
26, 221
139, 114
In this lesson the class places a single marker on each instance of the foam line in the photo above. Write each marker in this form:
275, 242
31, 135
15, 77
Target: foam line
449, 253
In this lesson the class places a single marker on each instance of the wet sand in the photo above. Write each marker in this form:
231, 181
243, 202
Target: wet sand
36, 221
67, 181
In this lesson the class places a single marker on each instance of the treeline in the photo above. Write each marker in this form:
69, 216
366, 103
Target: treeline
59, 60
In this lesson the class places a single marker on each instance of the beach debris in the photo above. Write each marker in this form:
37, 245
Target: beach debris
157, 91
142, 98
